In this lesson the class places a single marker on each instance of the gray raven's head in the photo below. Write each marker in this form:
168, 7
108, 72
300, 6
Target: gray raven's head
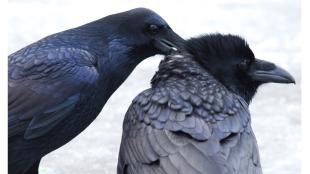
231, 61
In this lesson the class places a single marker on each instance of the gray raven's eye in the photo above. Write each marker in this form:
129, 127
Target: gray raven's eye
153, 29
244, 64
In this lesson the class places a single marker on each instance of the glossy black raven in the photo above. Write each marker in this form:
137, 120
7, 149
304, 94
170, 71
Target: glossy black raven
195, 118
59, 84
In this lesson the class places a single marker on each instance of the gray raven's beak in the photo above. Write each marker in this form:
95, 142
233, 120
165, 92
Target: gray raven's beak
265, 72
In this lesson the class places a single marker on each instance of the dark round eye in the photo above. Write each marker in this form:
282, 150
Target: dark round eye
153, 29
244, 64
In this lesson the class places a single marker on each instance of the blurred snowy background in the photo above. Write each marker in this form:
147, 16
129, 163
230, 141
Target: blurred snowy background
272, 29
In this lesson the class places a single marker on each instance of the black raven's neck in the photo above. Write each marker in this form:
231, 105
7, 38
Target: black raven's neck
98, 28
92, 37
117, 64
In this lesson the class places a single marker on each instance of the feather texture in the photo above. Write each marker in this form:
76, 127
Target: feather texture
187, 123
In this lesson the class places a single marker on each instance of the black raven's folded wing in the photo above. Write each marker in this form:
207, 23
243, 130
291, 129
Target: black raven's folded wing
44, 87
198, 129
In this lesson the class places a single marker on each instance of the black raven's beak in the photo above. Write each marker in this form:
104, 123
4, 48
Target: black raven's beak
169, 43
265, 72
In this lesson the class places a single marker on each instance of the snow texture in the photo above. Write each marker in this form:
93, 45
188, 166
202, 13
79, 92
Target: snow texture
272, 29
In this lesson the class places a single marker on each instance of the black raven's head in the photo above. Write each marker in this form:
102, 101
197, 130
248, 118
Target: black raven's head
231, 61
145, 32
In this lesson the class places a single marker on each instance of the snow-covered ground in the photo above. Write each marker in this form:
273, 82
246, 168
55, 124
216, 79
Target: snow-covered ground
272, 29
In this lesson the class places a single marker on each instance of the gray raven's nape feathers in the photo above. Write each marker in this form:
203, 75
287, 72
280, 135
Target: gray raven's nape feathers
219, 45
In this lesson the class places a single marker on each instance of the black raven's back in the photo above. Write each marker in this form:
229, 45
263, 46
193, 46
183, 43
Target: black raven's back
187, 123
56, 88
46, 86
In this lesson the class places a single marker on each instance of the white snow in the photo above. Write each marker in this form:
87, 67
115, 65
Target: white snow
272, 29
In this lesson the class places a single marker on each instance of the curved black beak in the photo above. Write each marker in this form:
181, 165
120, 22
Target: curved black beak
169, 43
265, 72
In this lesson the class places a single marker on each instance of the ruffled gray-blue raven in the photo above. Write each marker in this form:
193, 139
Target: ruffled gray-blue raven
195, 117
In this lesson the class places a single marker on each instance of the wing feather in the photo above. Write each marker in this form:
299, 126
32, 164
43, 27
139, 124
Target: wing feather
45, 85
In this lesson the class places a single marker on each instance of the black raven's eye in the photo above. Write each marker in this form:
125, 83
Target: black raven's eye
153, 29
